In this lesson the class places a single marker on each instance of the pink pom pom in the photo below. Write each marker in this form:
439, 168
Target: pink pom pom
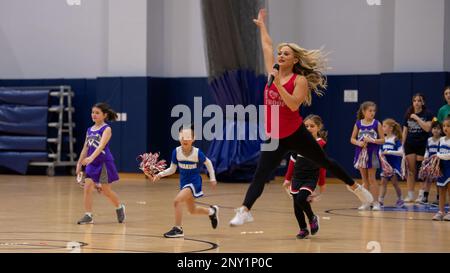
430, 169
150, 164
388, 171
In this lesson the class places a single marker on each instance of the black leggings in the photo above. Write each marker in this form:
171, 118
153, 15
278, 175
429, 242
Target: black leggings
301, 142
302, 207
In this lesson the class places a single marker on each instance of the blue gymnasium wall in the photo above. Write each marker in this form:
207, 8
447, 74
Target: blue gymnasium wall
148, 103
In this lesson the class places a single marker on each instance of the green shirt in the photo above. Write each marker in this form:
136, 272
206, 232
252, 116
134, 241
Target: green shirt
443, 113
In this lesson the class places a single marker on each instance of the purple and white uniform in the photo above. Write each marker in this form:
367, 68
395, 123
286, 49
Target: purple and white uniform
370, 130
102, 169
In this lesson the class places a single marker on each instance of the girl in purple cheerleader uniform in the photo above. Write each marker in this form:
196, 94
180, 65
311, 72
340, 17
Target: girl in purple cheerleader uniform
100, 170
367, 135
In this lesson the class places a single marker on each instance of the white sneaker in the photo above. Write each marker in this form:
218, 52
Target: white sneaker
446, 217
365, 206
439, 216
408, 199
376, 206
242, 216
362, 193
419, 199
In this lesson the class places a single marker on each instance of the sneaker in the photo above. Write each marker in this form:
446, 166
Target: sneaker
376, 206
241, 217
120, 214
435, 203
408, 199
419, 199
314, 225
364, 207
447, 217
175, 232
381, 204
214, 217
86, 219
303, 234
362, 193
438, 216
399, 203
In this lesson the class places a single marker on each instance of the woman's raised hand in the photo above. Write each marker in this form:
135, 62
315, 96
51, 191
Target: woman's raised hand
262, 14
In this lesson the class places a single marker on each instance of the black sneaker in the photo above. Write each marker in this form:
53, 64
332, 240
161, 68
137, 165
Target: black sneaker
174, 233
214, 217
303, 234
314, 225
86, 219
121, 214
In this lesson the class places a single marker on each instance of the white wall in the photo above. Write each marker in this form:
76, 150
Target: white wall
447, 36
164, 38
176, 44
350, 30
419, 35
127, 41
397, 36
48, 38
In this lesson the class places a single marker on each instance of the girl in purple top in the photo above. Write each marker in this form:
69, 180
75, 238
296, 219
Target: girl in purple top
100, 169
367, 135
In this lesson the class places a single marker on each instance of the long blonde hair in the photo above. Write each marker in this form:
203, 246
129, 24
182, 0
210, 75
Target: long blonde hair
396, 128
312, 65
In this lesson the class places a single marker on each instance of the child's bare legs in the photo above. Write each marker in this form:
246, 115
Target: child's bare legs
364, 178
397, 188
194, 209
374, 187
383, 189
111, 195
88, 189
185, 196
411, 177
365, 183
426, 186
87, 201
437, 191
442, 198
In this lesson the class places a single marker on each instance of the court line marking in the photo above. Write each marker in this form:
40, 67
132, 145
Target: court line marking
212, 245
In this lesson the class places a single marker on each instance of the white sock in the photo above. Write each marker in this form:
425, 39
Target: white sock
120, 206
411, 194
381, 199
89, 214
211, 211
421, 192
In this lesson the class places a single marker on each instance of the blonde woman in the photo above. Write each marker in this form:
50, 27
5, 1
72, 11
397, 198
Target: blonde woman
299, 74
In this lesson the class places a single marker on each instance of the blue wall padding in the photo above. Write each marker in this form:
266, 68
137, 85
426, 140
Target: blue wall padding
18, 161
23, 143
23, 120
148, 102
109, 90
29, 97
134, 135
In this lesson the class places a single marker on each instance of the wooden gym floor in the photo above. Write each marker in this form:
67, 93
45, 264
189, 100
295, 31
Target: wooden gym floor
39, 214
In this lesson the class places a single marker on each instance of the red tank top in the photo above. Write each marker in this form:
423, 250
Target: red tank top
289, 121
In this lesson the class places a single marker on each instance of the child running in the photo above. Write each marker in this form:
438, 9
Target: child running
189, 160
